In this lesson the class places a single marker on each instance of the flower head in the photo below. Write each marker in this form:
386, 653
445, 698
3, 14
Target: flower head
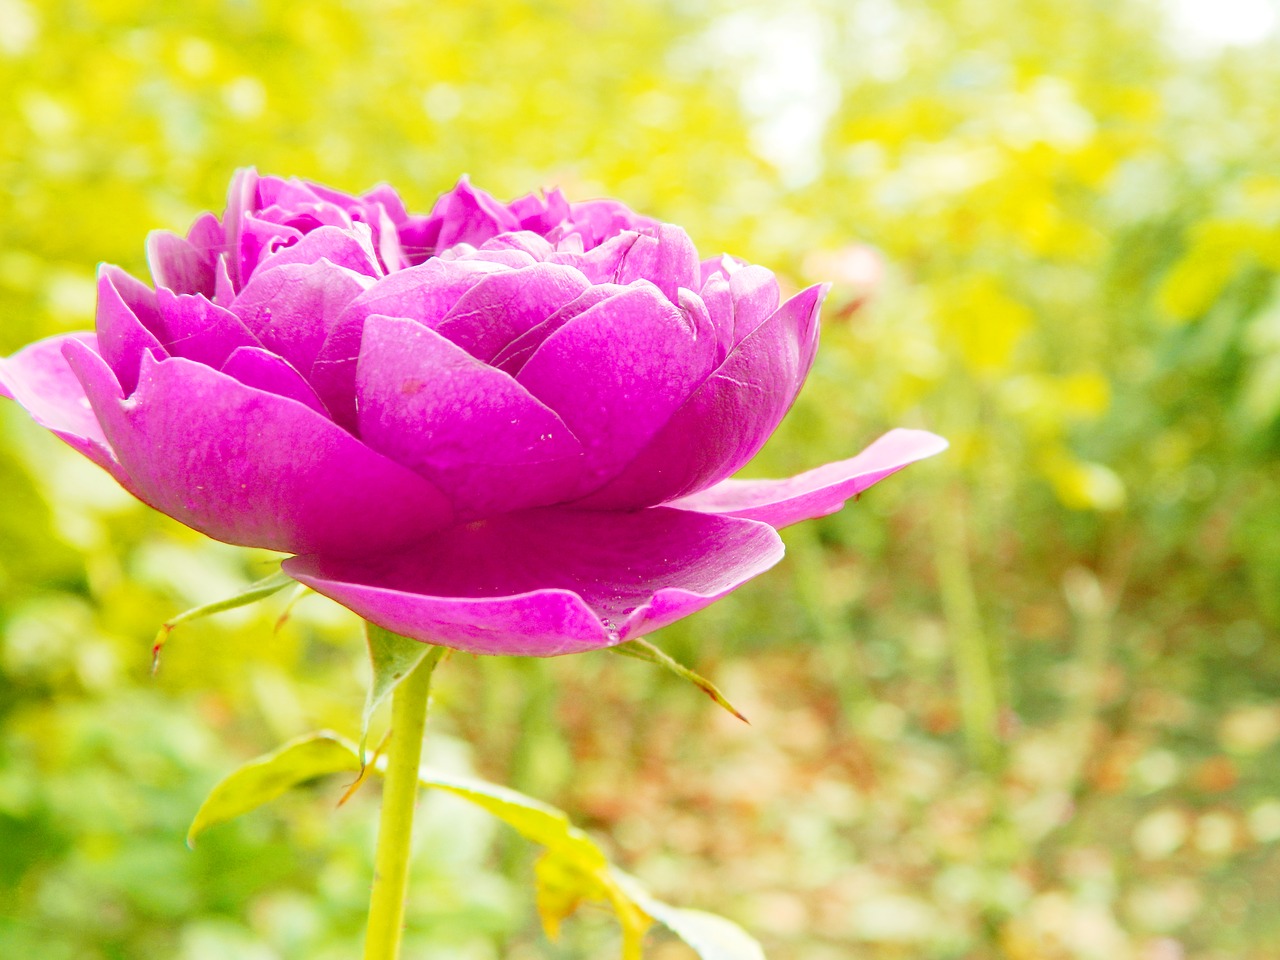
506, 428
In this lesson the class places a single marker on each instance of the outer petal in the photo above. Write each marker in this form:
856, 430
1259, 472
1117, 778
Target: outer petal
253, 468
39, 378
819, 492
547, 582
292, 307
729, 417
617, 372
472, 430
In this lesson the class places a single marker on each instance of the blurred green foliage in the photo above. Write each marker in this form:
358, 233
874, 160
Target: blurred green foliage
1022, 702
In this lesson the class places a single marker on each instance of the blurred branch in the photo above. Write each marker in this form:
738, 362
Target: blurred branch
976, 685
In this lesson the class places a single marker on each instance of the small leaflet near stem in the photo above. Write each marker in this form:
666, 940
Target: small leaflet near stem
644, 650
252, 594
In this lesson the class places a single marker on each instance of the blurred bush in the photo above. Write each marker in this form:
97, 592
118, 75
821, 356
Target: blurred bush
1021, 702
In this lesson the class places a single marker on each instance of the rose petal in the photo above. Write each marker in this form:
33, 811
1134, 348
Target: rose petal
242, 197
386, 240
186, 265
255, 367
818, 492
617, 372
289, 192
516, 354
719, 301
755, 296
740, 298
470, 429
126, 311
548, 582
720, 266
509, 256
502, 306
523, 240
598, 220
224, 289
424, 293
383, 195
665, 256
668, 259
469, 215
292, 307
351, 248
194, 328
540, 214
259, 239
252, 468
728, 418
40, 380
599, 264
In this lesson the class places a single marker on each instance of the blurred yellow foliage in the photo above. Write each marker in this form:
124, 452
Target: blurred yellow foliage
983, 322
1055, 235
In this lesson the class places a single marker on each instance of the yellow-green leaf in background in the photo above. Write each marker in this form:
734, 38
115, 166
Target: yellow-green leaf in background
712, 937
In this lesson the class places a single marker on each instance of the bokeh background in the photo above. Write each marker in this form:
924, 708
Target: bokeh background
1022, 701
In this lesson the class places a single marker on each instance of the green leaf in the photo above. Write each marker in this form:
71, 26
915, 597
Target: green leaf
252, 594
392, 658
561, 889
532, 819
263, 779
644, 650
572, 871
712, 937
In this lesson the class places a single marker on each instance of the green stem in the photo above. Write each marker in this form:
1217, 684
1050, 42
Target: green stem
399, 797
